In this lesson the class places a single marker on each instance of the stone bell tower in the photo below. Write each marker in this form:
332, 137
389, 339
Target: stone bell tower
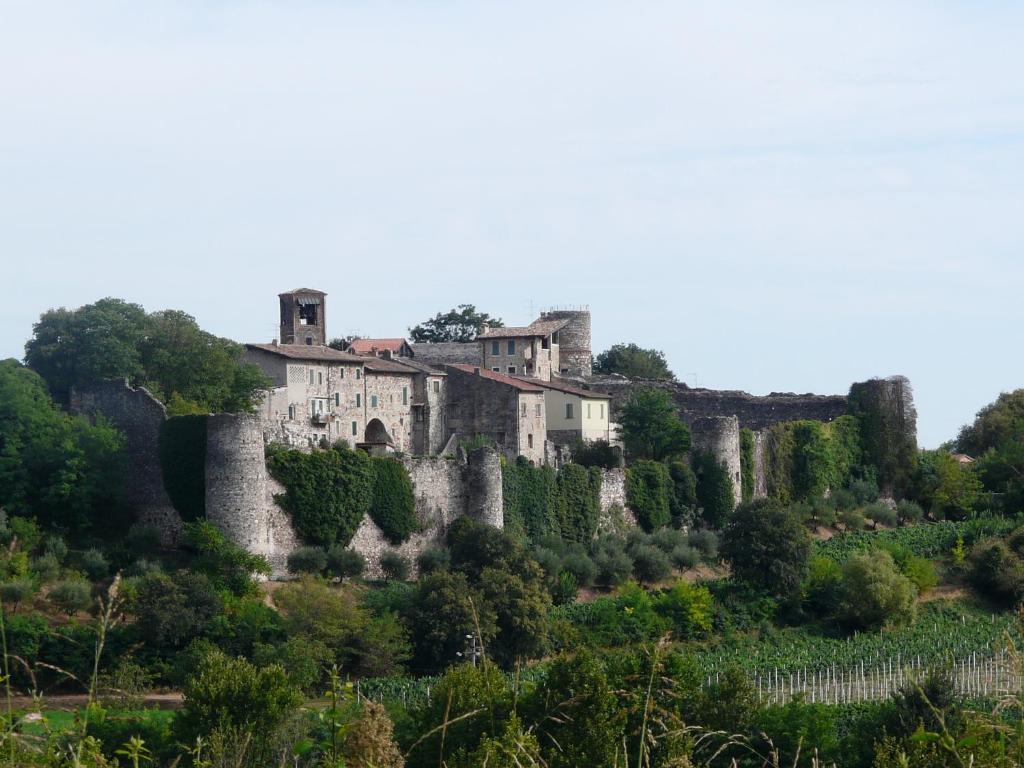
304, 317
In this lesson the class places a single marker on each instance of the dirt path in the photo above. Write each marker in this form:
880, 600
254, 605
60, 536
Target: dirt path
78, 700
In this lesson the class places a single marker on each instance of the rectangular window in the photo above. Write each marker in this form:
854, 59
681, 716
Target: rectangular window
522, 409
437, 386
568, 410
496, 370
512, 370
511, 346
312, 373
355, 428
539, 408
588, 410
291, 412
337, 398
495, 347
359, 400
341, 373
405, 395
602, 410
373, 401
359, 373
319, 377
529, 441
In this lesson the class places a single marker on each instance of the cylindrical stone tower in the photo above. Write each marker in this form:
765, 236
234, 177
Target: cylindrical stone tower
720, 436
484, 500
574, 352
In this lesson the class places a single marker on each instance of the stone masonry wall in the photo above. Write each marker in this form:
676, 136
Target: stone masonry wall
720, 436
140, 417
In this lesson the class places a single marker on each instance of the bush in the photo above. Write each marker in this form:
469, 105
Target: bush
650, 564
564, 589
705, 542
596, 453
684, 557
688, 607
864, 491
307, 560
767, 546
921, 571
852, 520
95, 564
46, 567
614, 567
56, 546
393, 508
549, 561
881, 513
345, 563
394, 566
16, 592
647, 493
433, 559
874, 594
996, 571
842, 499
581, 567
71, 596
668, 539
909, 512
823, 585
142, 539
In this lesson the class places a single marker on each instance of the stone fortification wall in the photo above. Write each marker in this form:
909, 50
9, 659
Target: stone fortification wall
239, 490
448, 353
720, 436
753, 411
760, 478
140, 416
574, 347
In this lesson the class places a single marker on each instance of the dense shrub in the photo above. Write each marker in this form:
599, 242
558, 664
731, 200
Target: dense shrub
874, 593
433, 559
307, 560
395, 566
596, 453
881, 513
227, 565
345, 563
688, 608
647, 493
56, 546
683, 493
909, 512
822, 587
997, 571
684, 557
46, 567
581, 567
16, 592
767, 546
614, 566
706, 542
853, 520
71, 596
327, 492
538, 501
578, 502
650, 564
95, 564
393, 508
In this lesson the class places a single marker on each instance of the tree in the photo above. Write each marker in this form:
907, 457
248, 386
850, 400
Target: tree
444, 611
459, 324
634, 362
226, 564
874, 593
945, 488
167, 352
60, 469
521, 604
996, 425
767, 546
651, 428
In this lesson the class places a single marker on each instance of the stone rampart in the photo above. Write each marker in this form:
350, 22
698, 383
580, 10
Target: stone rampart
720, 436
140, 416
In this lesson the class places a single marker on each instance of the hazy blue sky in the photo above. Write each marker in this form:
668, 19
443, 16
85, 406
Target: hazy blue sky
782, 196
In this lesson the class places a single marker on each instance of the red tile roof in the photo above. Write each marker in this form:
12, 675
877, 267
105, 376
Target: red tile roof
501, 378
383, 365
369, 346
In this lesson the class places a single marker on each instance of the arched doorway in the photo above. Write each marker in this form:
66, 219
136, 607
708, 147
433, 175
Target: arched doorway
377, 440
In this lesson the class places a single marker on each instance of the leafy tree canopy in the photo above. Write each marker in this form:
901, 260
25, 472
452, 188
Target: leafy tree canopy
459, 324
996, 425
634, 362
166, 351
767, 546
58, 468
651, 428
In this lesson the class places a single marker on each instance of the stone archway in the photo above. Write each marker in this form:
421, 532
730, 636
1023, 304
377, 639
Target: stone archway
377, 440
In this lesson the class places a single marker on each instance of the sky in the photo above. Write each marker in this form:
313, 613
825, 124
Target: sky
785, 196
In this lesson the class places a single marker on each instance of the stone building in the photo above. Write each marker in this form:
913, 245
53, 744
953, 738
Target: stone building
444, 353
508, 410
303, 314
573, 413
528, 351
576, 359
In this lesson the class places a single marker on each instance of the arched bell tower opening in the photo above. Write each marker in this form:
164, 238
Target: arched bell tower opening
304, 317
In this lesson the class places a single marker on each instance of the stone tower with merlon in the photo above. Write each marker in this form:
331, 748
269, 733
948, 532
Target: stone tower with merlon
304, 317
574, 353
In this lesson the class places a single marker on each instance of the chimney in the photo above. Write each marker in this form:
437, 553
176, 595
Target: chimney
388, 354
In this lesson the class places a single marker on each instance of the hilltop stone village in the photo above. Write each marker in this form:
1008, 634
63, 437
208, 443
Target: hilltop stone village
528, 391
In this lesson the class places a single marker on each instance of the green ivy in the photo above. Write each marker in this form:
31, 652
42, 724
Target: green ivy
394, 507
648, 486
182, 447
747, 464
327, 492
539, 501
715, 493
803, 459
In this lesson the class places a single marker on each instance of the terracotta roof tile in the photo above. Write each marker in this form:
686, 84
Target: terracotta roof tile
308, 352
368, 346
501, 378
536, 328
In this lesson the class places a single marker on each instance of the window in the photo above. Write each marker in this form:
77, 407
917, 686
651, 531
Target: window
373, 401
437, 386
355, 428
588, 410
568, 410
291, 412
602, 410
359, 373
529, 441
405, 395
359, 400
522, 410
337, 399
341, 373
512, 370
495, 347
496, 370
539, 408
419, 414
511, 346
309, 341
312, 373
319, 377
